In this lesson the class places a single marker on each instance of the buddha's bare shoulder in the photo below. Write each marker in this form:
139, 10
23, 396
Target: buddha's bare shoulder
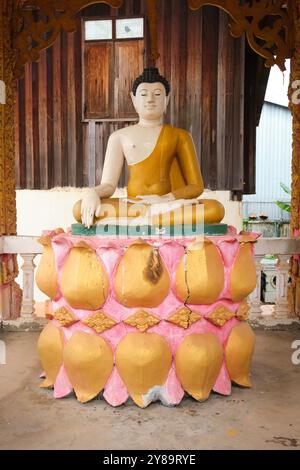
124, 131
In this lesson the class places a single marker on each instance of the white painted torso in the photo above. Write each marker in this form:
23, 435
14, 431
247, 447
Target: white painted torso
138, 142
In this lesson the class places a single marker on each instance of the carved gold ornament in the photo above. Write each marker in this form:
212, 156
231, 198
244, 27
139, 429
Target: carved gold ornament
220, 315
7, 129
65, 317
184, 317
142, 320
243, 312
38, 23
265, 23
295, 109
99, 322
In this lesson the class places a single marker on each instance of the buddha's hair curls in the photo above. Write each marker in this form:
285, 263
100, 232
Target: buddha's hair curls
151, 75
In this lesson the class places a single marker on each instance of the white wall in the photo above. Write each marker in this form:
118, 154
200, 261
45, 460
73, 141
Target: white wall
45, 210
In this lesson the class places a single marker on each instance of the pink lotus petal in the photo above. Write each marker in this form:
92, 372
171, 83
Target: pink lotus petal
62, 386
115, 392
174, 390
223, 383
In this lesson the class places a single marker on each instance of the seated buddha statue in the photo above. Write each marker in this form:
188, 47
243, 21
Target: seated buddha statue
163, 166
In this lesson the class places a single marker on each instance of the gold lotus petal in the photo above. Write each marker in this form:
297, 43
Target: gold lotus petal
198, 361
46, 275
141, 279
243, 275
184, 317
239, 351
220, 315
89, 362
99, 322
50, 351
142, 320
65, 317
200, 275
244, 238
84, 283
143, 361
138, 400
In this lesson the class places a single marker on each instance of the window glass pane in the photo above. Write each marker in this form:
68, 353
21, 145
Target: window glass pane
130, 28
98, 29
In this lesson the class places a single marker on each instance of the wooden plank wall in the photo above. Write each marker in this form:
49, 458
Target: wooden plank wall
205, 66
49, 108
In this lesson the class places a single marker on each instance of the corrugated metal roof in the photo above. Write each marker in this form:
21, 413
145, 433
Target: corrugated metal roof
273, 162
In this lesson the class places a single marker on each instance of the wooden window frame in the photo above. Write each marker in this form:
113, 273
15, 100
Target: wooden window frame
114, 28
113, 41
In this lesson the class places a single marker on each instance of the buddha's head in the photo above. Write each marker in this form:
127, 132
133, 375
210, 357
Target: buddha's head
150, 94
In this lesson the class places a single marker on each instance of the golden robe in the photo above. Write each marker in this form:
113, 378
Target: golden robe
172, 167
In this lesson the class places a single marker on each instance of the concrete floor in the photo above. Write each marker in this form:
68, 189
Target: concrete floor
266, 417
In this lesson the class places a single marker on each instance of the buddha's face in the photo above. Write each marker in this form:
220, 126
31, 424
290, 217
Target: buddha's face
150, 101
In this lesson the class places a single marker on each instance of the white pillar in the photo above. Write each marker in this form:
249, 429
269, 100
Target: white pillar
27, 310
282, 309
254, 298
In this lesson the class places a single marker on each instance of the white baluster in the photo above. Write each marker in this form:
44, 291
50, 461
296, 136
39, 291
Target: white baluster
282, 309
27, 310
255, 302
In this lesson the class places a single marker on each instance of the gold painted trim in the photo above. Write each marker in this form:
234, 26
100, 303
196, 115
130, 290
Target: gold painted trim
184, 317
220, 315
242, 313
65, 317
7, 129
99, 322
37, 24
273, 42
295, 109
142, 320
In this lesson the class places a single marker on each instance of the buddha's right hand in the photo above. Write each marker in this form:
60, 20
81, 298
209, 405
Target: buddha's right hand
90, 207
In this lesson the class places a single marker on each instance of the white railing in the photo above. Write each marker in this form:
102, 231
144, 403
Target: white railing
283, 248
28, 248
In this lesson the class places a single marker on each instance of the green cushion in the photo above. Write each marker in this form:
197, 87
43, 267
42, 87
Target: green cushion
147, 230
